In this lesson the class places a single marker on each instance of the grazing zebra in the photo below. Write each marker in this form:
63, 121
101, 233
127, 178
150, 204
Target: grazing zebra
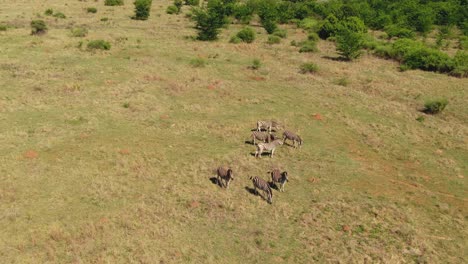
268, 125
292, 136
226, 175
278, 176
262, 136
262, 185
263, 147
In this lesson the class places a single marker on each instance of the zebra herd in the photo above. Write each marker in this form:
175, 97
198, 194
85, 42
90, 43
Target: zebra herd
267, 143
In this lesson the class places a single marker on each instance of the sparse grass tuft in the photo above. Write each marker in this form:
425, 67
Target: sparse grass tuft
435, 106
114, 2
282, 33
172, 9
273, 40
309, 68
49, 12
308, 46
104, 19
59, 15
79, 32
198, 62
256, 64
98, 45
91, 10
342, 81
38, 27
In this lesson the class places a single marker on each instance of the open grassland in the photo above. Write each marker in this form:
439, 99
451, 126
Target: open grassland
106, 157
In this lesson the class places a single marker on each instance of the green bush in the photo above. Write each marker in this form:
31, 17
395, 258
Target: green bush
142, 9
59, 15
3, 27
79, 32
49, 12
243, 12
104, 19
268, 13
99, 45
91, 10
246, 34
113, 2
235, 40
332, 26
198, 63
308, 68
398, 31
460, 64
282, 33
414, 55
172, 10
209, 20
313, 36
38, 27
273, 39
308, 46
192, 2
349, 44
383, 51
308, 23
178, 4
435, 106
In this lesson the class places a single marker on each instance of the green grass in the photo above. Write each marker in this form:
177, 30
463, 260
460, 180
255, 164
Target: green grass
107, 156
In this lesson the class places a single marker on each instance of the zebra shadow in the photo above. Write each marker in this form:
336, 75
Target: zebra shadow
273, 186
264, 154
214, 180
252, 191
250, 142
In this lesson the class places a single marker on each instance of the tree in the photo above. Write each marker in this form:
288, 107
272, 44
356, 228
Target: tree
142, 9
209, 20
349, 44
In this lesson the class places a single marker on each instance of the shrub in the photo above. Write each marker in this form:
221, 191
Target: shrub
313, 36
268, 13
79, 32
246, 34
172, 10
309, 68
113, 2
282, 33
398, 31
308, 46
178, 4
59, 15
243, 13
414, 55
49, 12
104, 19
38, 27
308, 23
383, 51
273, 39
209, 20
342, 82
99, 44
198, 62
256, 64
142, 9
91, 10
460, 64
349, 44
235, 40
329, 27
435, 106
192, 2
3, 27
332, 26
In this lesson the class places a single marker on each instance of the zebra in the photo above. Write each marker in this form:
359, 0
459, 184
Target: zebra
292, 136
226, 175
268, 125
278, 176
262, 136
263, 147
264, 186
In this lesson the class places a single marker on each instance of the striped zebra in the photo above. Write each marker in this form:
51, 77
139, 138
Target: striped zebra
264, 147
262, 136
293, 137
261, 184
224, 175
280, 177
268, 125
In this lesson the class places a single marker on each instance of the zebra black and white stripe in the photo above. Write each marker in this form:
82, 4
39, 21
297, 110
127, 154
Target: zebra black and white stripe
261, 184
279, 177
293, 137
262, 136
264, 147
225, 175
267, 125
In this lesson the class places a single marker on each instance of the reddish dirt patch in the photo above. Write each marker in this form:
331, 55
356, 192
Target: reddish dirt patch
164, 117
257, 78
194, 204
346, 228
317, 117
313, 180
124, 151
109, 82
31, 154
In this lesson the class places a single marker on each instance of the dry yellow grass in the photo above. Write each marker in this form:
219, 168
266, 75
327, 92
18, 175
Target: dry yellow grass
107, 156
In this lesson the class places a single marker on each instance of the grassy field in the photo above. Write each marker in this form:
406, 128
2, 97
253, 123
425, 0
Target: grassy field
106, 157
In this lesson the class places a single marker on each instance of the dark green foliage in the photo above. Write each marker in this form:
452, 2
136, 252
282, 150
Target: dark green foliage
235, 40
79, 32
269, 15
99, 45
308, 46
309, 68
113, 2
332, 26
178, 4
349, 44
49, 12
142, 9
398, 31
414, 55
243, 12
91, 10
104, 19
192, 2
460, 64
209, 20
313, 36
329, 27
3, 27
59, 15
38, 27
172, 10
273, 39
246, 34
435, 106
